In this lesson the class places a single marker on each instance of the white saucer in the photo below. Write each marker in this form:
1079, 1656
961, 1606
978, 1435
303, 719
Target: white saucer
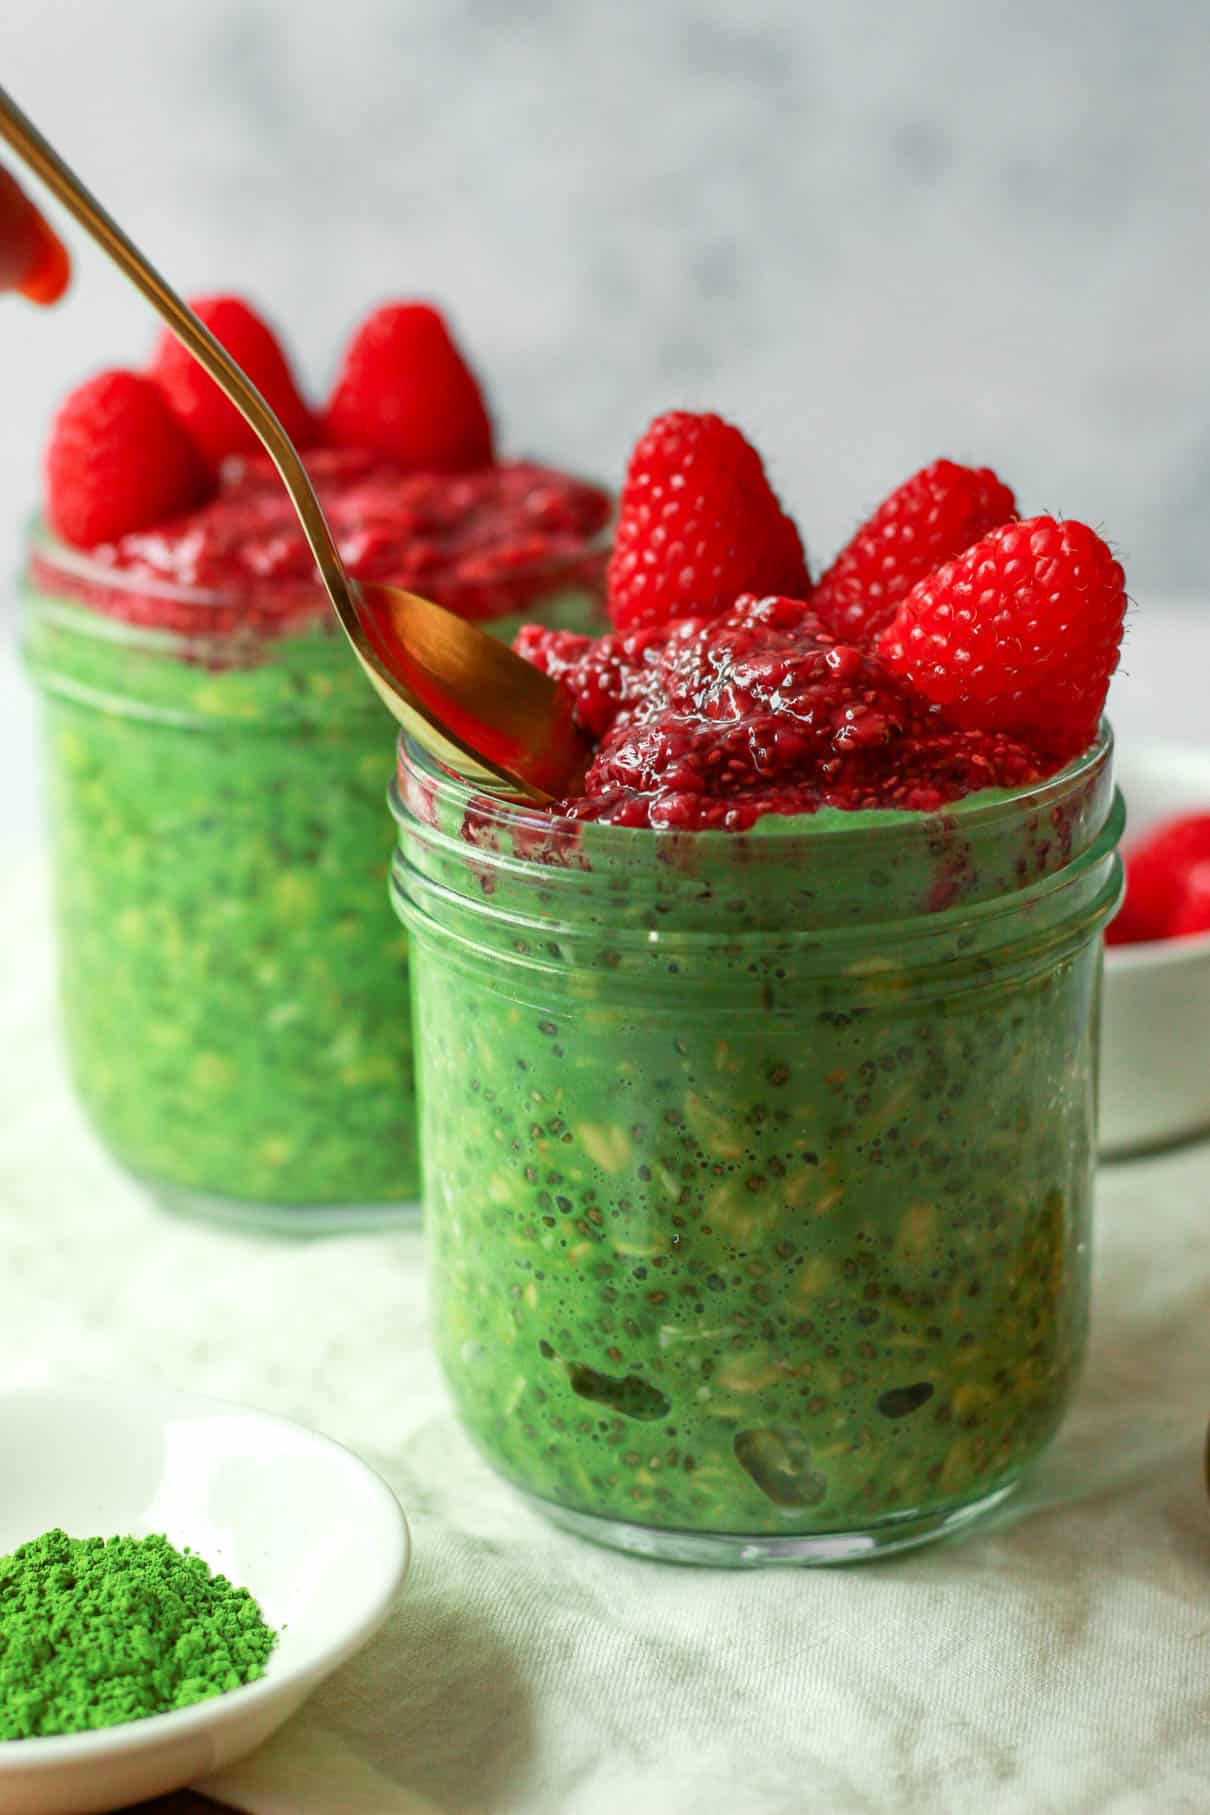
1155, 1038
314, 1534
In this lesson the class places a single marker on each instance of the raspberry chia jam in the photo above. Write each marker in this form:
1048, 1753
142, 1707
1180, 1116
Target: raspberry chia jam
234, 985
760, 1162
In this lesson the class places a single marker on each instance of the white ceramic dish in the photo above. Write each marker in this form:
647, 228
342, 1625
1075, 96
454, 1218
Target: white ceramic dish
312, 1532
1155, 1038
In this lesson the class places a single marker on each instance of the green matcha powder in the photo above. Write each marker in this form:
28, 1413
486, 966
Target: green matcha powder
95, 1632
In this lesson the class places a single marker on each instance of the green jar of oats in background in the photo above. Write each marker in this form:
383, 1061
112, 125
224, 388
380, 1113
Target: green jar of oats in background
234, 984
234, 995
759, 1165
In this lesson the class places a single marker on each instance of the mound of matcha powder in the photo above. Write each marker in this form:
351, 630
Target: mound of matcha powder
94, 1632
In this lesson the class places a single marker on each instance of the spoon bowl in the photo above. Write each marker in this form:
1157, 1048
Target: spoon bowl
492, 710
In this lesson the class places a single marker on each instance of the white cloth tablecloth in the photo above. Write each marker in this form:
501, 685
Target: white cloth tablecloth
1060, 1662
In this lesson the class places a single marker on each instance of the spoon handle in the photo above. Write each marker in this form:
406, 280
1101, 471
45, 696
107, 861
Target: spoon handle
478, 707
23, 136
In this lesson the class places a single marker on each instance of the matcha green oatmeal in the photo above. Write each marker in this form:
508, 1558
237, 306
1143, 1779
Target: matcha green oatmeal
758, 1091
759, 1184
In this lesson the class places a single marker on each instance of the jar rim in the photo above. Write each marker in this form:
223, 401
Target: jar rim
841, 827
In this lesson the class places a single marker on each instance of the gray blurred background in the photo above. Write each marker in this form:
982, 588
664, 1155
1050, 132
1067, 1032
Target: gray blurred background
870, 233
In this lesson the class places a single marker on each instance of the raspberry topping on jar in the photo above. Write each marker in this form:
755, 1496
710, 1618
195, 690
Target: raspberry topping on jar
484, 544
154, 478
948, 649
706, 726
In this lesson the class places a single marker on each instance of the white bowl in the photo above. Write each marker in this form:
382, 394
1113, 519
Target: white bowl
1155, 1035
314, 1534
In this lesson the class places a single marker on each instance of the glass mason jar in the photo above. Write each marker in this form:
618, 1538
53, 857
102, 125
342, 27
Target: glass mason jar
760, 1166
233, 982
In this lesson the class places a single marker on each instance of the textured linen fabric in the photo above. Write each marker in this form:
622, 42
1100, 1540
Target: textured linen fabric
1058, 1662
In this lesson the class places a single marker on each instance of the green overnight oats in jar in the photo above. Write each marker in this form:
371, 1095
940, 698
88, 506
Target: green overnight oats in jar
759, 1164
233, 982
758, 1074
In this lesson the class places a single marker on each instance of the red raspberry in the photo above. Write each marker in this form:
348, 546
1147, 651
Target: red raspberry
1019, 634
931, 518
1193, 915
1167, 883
405, 390
216, 425
118, 460
33, 259
698, 524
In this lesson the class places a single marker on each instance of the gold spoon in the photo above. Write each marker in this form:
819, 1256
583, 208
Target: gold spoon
482, 710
